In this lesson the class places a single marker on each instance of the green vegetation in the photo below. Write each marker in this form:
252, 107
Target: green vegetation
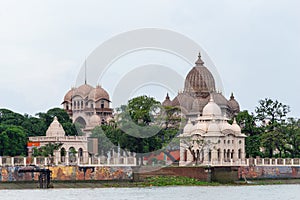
175, 181
16, 128
138, 128
270, 133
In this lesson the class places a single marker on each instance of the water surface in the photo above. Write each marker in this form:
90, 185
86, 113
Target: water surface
268, 192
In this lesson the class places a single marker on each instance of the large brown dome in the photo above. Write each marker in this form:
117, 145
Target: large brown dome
98, 93
199, 80
68, 96
83, 90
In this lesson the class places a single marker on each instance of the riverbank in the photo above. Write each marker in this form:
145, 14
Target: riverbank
158, 181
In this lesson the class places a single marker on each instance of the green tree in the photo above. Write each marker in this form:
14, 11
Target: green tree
272, 113
13, 140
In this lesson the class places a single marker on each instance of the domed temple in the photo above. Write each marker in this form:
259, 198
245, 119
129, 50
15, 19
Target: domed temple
208, 138
198, 87
88, 106
211, 140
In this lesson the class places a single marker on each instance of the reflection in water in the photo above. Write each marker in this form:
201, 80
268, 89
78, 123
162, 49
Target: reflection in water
269, 192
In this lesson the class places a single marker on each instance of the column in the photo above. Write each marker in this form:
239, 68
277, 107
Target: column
85, 156
12, 161
24, 161
214, 156
67, 158
0, 161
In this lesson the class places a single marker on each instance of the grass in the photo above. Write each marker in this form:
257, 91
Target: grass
175, 181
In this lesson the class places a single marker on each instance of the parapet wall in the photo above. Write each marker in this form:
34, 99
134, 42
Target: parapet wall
69, 173
269, 172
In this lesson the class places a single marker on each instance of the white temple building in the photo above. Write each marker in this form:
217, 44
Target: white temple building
73, 148
211, 140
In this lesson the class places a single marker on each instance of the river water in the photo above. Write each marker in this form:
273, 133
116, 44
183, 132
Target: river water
268, 192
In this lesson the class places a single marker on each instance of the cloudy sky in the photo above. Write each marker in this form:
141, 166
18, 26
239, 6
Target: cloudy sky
254, 44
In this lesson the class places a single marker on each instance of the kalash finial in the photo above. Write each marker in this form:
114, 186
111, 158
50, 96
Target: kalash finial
199, 62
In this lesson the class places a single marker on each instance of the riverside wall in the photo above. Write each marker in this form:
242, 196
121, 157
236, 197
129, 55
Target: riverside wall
222, 174
61, 173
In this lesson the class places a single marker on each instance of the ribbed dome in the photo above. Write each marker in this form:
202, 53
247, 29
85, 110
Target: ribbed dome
83, 90
95, 120
200, 126
68, 96
233, 104
235, 127
225, 126
220, 99
98, 93
167, 101
211, 109
183, 100
199, 80
213, 128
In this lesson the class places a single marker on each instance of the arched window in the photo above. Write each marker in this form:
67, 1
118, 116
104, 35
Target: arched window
62, 154
240, 154
102, 104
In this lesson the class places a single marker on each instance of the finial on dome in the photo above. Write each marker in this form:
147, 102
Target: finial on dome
55, 118
211, 98
234, 121
199, 61
231, 97
85, 72
167, 97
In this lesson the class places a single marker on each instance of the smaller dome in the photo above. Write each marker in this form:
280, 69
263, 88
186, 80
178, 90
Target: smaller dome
213, 128
95, 120
188, 127
68, 96
233, 104
212, 109
226, 126
167, 101
235, 127
98, 93
83, 90
200, 126
55, 129
183, 100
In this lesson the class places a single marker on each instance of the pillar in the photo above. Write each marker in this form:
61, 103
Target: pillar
24, 161
85, 156
67, 157
0, 161
214, 156
12, 161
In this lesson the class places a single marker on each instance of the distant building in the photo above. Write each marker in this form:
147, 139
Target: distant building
88, 106
199, 86
70, 144
210, 139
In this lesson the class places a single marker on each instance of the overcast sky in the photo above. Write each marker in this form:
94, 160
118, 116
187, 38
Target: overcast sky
255, 44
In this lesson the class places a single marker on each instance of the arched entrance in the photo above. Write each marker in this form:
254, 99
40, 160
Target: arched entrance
62, 155
72, 155
81, 121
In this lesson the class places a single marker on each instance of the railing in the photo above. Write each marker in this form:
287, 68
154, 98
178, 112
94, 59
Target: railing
52, 161
248, 162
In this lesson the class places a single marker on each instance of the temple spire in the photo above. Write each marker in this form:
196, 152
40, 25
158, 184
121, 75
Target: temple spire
85, 72
199, 62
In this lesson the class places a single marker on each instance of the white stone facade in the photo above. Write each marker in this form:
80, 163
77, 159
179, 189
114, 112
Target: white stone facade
70, 144
211, 140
